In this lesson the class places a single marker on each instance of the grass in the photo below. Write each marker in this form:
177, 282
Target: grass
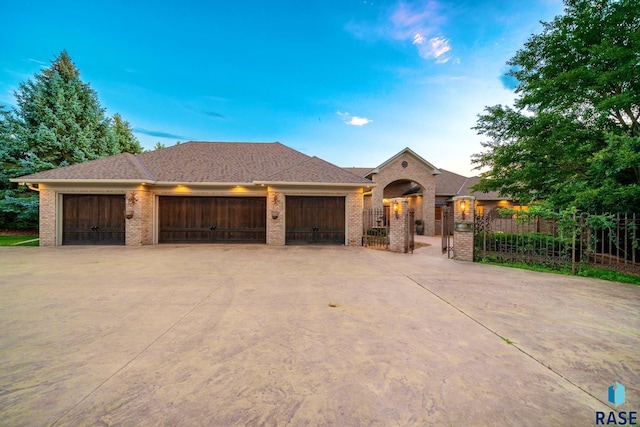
597, 273
16, 240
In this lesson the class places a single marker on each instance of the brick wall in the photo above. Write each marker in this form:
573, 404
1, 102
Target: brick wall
398, 226
47, 217
354, 205
463, 240
417, 172
275, 227
139, 228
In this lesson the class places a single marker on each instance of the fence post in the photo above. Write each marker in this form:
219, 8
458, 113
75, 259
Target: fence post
573, 245
398, 225
463, 228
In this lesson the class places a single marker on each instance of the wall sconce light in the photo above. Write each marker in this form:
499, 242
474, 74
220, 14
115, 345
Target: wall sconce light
128, 214
275, 214
462, 208
396, 209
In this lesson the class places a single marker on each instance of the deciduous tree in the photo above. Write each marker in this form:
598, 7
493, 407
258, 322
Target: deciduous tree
572, 136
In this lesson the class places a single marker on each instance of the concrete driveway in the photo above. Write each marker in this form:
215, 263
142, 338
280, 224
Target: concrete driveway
256, 335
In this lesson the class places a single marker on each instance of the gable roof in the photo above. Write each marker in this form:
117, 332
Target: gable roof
205, 162
448, 184
411, 152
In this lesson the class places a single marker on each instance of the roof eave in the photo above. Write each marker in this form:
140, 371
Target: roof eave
81, 181
316, 184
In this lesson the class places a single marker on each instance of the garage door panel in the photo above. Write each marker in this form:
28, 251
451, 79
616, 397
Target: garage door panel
315, 220
93, 219
212, 219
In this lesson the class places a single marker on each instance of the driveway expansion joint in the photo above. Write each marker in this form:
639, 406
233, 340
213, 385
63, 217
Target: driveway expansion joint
130, 361
513, 344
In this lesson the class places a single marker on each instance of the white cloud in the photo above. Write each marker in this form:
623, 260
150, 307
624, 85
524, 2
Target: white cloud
353, 120
436, 48
415, 21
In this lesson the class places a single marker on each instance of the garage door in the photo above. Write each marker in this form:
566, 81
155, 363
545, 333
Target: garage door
315, 220
212, 219
93, 219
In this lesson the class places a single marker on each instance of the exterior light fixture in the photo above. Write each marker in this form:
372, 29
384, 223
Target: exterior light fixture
462, 208
275, 214
396, 209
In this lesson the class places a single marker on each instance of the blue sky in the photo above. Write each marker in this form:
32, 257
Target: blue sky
350, 81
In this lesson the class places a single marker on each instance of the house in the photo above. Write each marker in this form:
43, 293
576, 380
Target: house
201, 192
427, 188
228, 192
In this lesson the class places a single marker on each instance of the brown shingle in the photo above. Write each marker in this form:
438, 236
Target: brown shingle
316, 170
118, 167
449, 183
232, 162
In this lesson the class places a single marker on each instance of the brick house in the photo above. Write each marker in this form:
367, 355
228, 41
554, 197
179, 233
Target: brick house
223, 192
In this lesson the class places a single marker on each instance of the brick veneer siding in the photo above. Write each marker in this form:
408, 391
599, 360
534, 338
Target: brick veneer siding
139, 228
354, 205
463, 240
275, 227
417, 172
398, 226
47, 228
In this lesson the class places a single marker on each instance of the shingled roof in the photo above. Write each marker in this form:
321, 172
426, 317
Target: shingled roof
447, 184
206, 162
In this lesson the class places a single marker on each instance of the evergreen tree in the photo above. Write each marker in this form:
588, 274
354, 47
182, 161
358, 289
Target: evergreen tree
58, 121
127, 143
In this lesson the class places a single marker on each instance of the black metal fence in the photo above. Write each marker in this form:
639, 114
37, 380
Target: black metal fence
376, 228
610, 242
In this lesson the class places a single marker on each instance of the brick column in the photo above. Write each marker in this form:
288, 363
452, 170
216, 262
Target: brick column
463, 228
355, 203
47, 226
138, 218
398, 225
275, 226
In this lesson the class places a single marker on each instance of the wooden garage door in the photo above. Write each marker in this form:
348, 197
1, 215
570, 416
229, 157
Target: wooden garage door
93, 219
212, 219
315, 220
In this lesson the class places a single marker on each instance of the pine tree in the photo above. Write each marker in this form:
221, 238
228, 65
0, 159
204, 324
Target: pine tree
58, 121
127, 143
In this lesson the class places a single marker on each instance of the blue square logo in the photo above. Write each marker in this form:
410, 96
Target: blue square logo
616, 394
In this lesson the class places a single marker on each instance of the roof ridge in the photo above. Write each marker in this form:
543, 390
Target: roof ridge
144, 168
462, 186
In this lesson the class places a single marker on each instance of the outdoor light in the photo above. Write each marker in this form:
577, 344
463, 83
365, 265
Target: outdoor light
462, 207
396, 208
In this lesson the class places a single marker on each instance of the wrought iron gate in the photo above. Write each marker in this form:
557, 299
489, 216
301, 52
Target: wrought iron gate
447, 230
376, 227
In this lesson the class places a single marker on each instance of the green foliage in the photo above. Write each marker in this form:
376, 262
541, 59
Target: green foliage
572, 137
533, 245
159, 146
127, 143
58, 121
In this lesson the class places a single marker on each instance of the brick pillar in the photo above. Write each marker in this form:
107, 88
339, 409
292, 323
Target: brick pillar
354, 203
275, 226
463, 233
398, 224
138, 218
47, 226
